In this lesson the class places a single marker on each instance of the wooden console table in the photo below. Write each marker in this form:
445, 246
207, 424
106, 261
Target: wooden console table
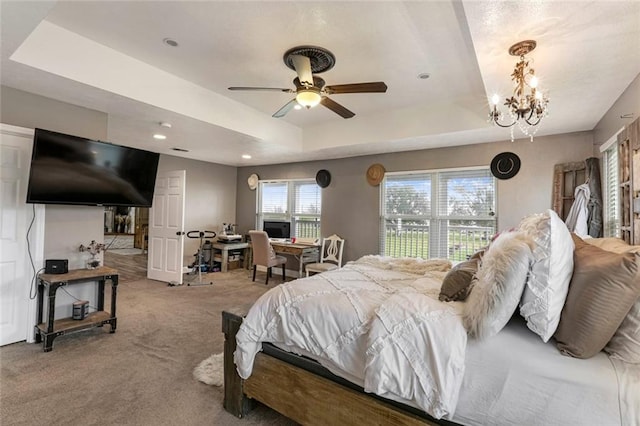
52, 328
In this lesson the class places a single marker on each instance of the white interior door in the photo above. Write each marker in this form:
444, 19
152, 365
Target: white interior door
17, 310
166, 228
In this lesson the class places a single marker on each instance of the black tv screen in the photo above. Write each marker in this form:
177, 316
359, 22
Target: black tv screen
277, 229
68, 169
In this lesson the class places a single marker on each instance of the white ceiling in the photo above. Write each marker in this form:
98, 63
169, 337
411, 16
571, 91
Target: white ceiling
110, 56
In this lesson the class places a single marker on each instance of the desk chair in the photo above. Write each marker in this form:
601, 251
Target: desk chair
264, 255
330, 255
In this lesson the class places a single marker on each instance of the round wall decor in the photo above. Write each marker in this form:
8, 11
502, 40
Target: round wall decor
505, 165
253, 181
375, 174
323, 178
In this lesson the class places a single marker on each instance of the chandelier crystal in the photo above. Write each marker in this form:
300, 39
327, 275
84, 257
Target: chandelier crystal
528, 105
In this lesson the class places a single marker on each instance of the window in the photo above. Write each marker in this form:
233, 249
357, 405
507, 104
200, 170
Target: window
295, 201
448, 214
611, 196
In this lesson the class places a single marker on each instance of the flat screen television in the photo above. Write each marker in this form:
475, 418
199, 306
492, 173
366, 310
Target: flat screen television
68, 169
277, 229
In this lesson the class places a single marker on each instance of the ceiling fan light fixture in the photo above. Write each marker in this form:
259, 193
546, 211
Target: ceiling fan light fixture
308, 98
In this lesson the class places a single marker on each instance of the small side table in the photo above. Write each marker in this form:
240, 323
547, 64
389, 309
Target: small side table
221, 253
52, 328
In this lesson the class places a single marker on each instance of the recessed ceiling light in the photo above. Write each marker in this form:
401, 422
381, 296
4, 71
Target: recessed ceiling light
423, 76
165, 124
297, 106
170, 42
159, 136
180, 149
246, 156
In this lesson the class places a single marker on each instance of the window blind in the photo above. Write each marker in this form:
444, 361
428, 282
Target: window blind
307, 198
273, 197
447, 214
611, 193
296, 201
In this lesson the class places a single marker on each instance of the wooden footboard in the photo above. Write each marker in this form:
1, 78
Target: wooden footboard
301, 395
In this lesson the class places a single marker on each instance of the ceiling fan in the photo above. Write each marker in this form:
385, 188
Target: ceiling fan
311, 90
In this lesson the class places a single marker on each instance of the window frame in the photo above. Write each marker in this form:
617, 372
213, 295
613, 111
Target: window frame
436, 222
290, 215
611, 209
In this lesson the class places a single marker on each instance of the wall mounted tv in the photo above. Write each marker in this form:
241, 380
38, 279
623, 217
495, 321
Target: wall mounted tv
72, 170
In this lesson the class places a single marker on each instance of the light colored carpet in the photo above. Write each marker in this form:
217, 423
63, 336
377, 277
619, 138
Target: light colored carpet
211, 370
140, 375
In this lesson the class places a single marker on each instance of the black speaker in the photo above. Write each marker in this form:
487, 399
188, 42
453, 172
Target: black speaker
56, 266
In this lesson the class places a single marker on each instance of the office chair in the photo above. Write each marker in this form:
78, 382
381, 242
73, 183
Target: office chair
264, 255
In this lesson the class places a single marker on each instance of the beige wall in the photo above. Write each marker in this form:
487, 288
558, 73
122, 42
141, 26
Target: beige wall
611, 123
211, 188
350, 206
210, 198
65, 227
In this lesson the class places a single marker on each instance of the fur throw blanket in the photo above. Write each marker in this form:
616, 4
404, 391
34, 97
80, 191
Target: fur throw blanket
410, 265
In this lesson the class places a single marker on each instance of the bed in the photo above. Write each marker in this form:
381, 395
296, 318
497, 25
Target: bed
372, 343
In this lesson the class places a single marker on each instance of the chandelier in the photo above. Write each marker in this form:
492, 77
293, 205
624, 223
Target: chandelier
528, 105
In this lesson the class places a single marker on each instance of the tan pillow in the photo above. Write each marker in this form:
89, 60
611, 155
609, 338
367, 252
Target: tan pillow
456, 285
603, 288
616, 245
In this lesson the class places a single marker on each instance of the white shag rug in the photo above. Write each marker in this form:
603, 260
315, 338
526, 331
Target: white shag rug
211, 370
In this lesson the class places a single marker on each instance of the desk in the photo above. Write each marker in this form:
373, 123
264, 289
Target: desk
47, 331
224, 248
305, 253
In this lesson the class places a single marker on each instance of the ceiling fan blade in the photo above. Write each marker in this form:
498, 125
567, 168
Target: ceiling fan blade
336, 107
263, 89
373, 87
285, 109
302, 64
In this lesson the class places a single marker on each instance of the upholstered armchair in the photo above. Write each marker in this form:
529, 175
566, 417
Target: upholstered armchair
264, 255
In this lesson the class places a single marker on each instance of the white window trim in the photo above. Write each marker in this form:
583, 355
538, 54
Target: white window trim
435, 201
289, 214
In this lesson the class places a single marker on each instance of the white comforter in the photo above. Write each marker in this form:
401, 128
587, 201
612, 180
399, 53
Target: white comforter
383, 328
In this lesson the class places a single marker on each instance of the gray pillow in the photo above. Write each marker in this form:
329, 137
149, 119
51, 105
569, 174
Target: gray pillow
603, 289
457, 283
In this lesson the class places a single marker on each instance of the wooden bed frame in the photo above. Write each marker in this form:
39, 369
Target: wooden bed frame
302, 395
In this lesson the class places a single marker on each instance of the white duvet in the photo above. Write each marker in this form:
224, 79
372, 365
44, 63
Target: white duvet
376, 322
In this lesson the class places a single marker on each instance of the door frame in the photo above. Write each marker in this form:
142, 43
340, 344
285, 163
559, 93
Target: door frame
36, 239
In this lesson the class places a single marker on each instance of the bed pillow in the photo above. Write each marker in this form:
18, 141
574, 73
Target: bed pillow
603, 289
498, 285
616, 245
625, 344
456, 285
548, 282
